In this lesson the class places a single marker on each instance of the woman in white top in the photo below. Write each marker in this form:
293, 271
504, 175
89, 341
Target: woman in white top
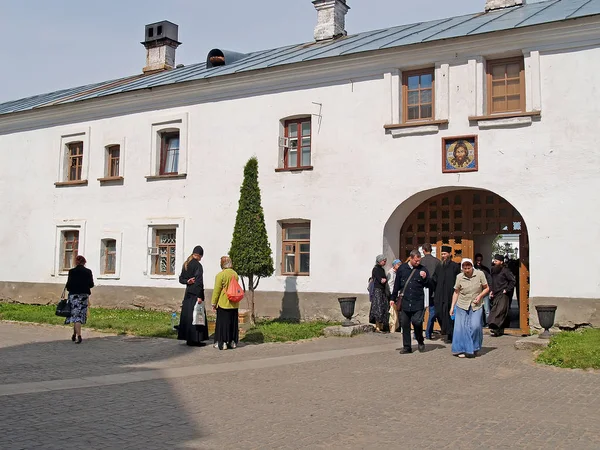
391, 276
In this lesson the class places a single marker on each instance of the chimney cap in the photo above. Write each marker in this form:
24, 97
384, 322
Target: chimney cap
163, 30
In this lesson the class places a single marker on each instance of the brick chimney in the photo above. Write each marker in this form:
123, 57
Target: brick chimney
492, 5
160, 40
331, 19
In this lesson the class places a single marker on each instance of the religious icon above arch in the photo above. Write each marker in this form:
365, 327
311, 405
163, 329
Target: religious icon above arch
459, 154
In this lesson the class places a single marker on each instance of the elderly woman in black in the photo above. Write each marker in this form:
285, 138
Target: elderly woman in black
79, 284
192, 277
379, 304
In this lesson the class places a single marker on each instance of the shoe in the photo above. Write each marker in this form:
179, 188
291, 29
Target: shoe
232, 345
216, 345
222, 346
73, 337
404, 351
79, 339
461, 355
421, 348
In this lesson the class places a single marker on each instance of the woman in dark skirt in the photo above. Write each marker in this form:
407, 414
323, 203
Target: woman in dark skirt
79, 283
227, 327
192, 277
379, 304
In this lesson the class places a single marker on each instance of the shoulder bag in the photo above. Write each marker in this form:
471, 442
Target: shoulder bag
63, 309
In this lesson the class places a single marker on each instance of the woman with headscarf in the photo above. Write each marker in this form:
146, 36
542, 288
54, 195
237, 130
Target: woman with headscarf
192, 277
379, 304
79, 283
469, 290
227, 332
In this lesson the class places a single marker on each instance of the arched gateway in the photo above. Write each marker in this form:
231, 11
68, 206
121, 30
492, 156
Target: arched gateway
469, 220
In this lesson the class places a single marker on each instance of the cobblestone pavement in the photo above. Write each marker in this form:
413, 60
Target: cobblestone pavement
130, 393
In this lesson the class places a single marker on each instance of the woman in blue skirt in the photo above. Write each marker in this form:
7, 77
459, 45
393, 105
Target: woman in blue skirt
469, 291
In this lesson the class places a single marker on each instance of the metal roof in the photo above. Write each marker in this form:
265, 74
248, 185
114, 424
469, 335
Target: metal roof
469, 25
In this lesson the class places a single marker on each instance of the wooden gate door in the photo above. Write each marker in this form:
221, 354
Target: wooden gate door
523, 280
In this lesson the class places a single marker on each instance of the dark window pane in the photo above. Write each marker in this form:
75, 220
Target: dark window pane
426, 112
413, 112
304, 263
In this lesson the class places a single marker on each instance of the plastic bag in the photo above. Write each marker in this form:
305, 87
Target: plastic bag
394, 320
198, 315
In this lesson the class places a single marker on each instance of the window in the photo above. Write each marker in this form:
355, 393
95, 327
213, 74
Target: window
506, 86
69, 249
297, 144
163, 253
169, 153
109, 256
296, 249
113, 155
418, 95
74, 161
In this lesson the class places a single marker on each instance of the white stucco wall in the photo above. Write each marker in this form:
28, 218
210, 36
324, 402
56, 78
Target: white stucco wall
364, 180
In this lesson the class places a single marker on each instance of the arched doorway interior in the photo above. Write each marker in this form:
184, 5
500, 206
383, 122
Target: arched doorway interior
461, 218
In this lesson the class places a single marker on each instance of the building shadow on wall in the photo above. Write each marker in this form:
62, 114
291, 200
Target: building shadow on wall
290, 303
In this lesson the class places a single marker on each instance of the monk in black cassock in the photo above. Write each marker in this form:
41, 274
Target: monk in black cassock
444, 279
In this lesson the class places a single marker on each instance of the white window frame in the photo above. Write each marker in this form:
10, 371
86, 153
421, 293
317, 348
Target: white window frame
169, 124
161, 224
68, 137
61, 227
118, 237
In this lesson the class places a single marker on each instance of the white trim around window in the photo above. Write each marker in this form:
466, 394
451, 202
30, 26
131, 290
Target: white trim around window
61, 227
107, 143
67, 137
169, 124
180, 255
118, 237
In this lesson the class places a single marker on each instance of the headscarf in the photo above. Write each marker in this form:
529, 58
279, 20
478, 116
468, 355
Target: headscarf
466, 260
379, 259
396, 261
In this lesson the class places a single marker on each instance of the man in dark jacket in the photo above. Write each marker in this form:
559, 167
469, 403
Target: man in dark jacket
503, 281
430, 262
445, 279
411, 278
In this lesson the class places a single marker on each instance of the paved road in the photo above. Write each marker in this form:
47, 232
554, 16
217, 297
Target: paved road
130, 393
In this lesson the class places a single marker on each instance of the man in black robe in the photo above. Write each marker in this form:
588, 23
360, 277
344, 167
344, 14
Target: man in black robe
503, 281
444, 278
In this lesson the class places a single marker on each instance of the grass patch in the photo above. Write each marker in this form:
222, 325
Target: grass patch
119, 321
573, 350
279, 330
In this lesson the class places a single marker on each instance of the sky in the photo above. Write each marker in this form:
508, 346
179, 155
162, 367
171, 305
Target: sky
57, 44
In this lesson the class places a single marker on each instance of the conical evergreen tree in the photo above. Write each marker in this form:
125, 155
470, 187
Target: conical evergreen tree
250, 250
